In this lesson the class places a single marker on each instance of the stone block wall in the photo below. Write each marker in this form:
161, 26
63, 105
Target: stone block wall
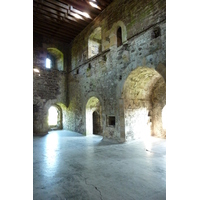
49, 85
103, 76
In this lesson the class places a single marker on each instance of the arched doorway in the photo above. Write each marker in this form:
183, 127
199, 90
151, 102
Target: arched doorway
143, 98
55, 117
93, 116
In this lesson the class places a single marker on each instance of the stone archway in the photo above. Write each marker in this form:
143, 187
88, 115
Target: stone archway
55, 117
93, 112
142, 99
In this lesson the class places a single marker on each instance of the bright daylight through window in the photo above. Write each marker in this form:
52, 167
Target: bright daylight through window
48, 63
52, 116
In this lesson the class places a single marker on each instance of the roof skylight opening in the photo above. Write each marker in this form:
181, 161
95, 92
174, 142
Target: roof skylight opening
77, 16
80, 12
85, 15
94, 5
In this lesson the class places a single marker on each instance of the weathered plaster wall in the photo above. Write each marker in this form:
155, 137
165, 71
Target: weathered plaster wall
49, 85
104, 75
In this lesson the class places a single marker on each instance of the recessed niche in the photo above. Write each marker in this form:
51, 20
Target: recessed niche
89, 66
119, 37
94, 43
111, 120
156, 33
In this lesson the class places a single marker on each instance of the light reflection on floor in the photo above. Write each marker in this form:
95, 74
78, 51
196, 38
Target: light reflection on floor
51, 146
68, 165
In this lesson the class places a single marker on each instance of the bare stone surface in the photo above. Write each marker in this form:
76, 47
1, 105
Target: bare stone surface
129, 80
68, 165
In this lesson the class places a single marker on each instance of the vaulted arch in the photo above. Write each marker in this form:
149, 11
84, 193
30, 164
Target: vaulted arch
142, 100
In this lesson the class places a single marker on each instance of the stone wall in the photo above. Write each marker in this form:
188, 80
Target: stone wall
49, 85
104, 74
158, 101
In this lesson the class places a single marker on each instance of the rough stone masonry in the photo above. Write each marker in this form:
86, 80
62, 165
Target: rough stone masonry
119, 61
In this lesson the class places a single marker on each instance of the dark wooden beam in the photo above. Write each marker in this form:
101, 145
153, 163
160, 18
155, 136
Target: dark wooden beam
56, 3
59, 28
50, 6
64, 23
49, 34
54, 31
66, 19
84, 7
50, 11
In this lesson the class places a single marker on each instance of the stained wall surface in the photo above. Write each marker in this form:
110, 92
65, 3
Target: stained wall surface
104, 71
49, 85
143, 25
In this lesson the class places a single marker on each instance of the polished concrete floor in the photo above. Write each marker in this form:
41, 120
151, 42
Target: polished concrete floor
67, 165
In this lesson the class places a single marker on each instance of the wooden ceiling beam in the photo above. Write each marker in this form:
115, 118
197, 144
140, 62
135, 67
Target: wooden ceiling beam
84, 7
50, 11
52, 35
57, 27
56, 3
64, 23
56, 18
54, 31
50, 6
65, 19
66, 29
102, 4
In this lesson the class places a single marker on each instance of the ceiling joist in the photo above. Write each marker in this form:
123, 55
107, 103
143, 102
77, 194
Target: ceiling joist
64, 19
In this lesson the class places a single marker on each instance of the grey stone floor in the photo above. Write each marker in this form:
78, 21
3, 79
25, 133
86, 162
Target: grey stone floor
67, 165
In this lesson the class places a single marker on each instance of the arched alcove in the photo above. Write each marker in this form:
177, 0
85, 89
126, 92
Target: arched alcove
139, 105
94, 43
119, 36
93, 116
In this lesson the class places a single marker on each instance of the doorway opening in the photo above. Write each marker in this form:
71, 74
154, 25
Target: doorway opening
55, 117
93, 117
96, 123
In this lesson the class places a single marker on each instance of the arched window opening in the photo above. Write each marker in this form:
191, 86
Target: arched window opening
56, 59
94, 43
48, 63
119, 37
